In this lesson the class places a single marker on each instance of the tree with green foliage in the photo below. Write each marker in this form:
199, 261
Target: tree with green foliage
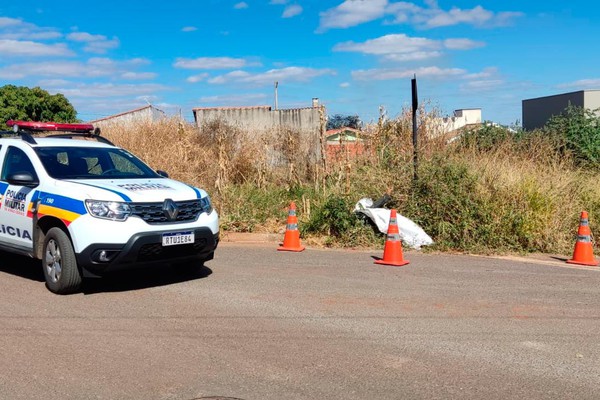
579, 130
337, 121
26, 104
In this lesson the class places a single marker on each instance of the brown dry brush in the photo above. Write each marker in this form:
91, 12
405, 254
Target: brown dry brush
522, 195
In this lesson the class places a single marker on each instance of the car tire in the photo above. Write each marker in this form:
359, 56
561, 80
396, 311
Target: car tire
59, 263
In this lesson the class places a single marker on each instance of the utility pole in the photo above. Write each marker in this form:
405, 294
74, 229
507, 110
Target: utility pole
415, 107
276, 84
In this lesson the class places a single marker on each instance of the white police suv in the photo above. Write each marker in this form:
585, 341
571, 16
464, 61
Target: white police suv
88, 207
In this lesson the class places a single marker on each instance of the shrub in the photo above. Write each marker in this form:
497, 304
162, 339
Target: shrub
334, 217
579, 130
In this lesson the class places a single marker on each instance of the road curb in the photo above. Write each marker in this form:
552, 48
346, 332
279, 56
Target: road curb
250, 237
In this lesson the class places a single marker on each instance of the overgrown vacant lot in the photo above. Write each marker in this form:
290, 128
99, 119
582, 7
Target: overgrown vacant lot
492, 190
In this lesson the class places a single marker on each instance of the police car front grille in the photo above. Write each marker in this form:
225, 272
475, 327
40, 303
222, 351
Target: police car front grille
153, 213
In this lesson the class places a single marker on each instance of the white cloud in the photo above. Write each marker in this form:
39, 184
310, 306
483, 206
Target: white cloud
291, 11
99, 44
481, 86
93, 68
345, 85
400, 47
414, 56
138, 75
390, 44
16, 29
135, 61
593, 83
102, 90
475, 16
351, 13
189, 29
198, 78
506, 18
485, 74
230, 77
278, 2
462, 44
435, 17
54, 82
241, 5
383, 74
11, 48
485, 80
9, 22
288, 74
210, 63
354, 12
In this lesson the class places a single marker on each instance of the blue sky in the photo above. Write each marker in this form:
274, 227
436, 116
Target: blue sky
109, 57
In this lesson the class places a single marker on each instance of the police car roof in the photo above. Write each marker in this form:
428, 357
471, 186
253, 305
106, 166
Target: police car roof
66, 142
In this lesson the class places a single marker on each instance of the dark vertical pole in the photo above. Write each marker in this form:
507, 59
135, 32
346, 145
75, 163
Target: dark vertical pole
415, 106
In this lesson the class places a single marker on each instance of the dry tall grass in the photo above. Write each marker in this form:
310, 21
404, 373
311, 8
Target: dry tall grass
529, 197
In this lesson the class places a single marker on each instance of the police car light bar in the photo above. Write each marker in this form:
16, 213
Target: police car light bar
49, 126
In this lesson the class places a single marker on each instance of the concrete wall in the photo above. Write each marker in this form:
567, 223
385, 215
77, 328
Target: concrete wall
262, 118
254, 122
591, 100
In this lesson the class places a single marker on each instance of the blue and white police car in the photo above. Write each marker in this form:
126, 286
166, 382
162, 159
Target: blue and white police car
88, 207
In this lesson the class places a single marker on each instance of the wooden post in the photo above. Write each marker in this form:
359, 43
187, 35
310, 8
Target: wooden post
415, 106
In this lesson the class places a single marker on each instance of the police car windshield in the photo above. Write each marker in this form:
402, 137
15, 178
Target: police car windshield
92, 163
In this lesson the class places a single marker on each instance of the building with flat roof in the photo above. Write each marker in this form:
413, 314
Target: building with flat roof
450, 126
538, 111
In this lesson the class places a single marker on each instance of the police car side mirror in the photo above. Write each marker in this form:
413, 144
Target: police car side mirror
23, 179
162, 173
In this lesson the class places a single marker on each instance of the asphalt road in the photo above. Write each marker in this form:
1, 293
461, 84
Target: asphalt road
255, 324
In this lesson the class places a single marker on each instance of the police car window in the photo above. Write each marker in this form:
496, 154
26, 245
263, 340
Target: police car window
16, 162
92, 163
124, 164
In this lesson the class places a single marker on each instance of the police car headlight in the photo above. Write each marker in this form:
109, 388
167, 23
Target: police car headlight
112, 210
206, 205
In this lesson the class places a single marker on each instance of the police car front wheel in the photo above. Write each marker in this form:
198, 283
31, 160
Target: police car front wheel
59, 263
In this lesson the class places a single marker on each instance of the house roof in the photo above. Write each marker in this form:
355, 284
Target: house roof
342, 129
563, 94
125, 113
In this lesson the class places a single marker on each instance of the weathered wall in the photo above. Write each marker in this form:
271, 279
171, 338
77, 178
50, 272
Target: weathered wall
257, 121
261, 118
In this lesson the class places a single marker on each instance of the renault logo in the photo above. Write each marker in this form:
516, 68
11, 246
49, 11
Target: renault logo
170, 209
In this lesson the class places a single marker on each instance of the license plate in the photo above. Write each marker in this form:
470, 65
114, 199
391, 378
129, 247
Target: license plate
177, 238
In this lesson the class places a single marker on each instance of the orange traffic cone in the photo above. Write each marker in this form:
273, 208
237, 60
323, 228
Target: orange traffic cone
583, 253
392, 252
291, 240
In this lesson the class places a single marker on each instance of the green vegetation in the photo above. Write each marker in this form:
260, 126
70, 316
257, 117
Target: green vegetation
23, 103
489, 190
492, 190
337, 121
578, 131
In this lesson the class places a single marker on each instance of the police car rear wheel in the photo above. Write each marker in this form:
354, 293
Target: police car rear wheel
59, 262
